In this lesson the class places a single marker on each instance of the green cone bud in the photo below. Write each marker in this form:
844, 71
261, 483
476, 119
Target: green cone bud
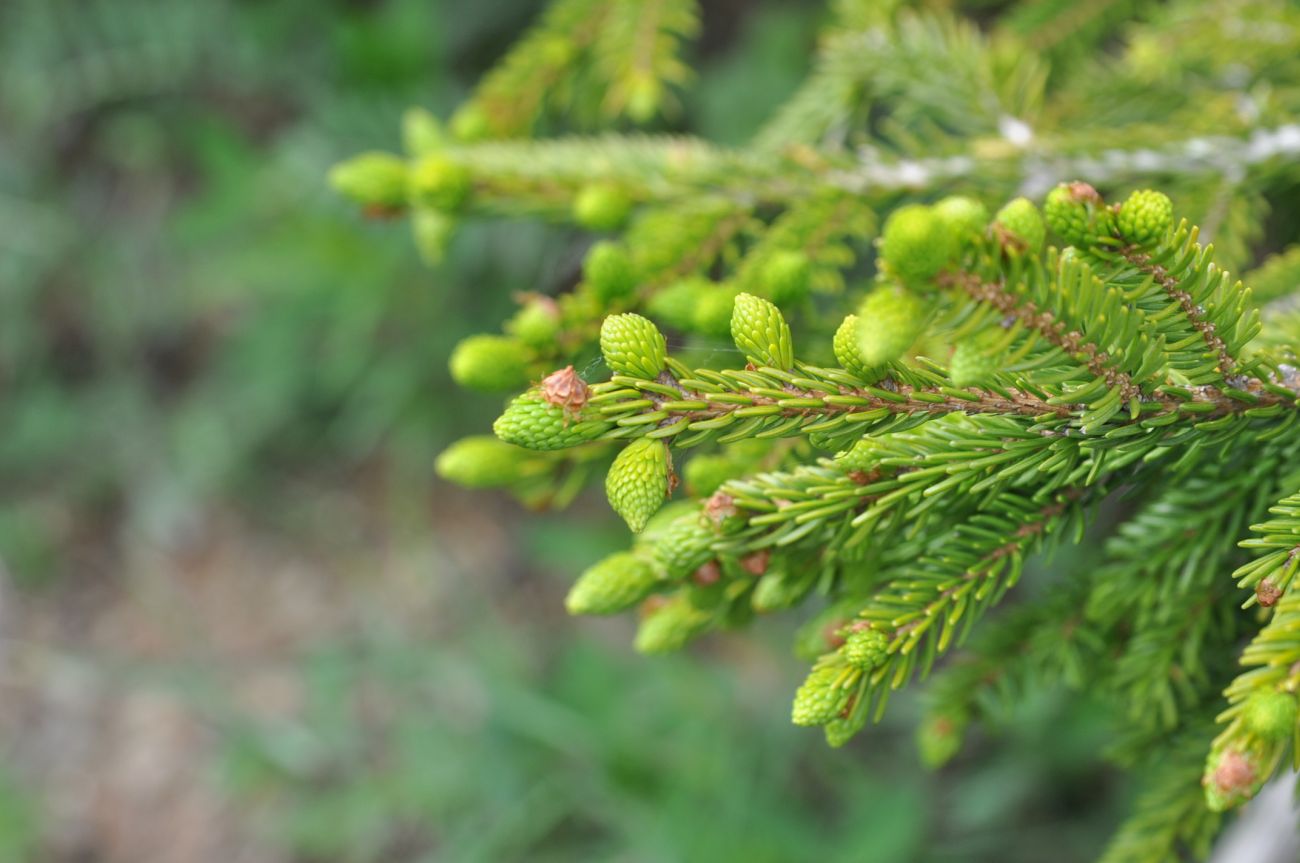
470, 123
482, 461
432, 231
1270, 715
705, 473
863, 455
675, 304
683, 546
670, 626
778, 589
916, 243
712, 313
840, 731
532, 422
971, 363
601, 207
371, 179
490, 363
614, 584
939, 738
965, 217
537, 323
637, 482
421, 132
889, 320
786, 276
761, 333
824, 694
438, 182
1019, 224
608, 270
865, 648
645, 92
1231, 778
847, 352
1145, 217
633, 346
1078, 215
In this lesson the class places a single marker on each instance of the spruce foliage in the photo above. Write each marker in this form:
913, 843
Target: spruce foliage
1045, 353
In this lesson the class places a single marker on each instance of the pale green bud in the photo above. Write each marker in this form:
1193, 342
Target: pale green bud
421, 132
865, 649
1271, 715
609, 271
761, 333
917, 243
786, 276
1019, 224
824, 695
439, 182
633, 346
532, 422
372, 179
482, 461
1145, 217
490, 363
889, 320
670, 626
1076, 213
601, 207
637, 482
614, 584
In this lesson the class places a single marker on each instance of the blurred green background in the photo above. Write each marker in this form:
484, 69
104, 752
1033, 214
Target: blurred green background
240, 618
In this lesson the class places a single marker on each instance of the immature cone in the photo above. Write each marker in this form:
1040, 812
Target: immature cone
1270, 715
965, 217
971, 363
778, 589
786, 276
676, 303
889, 321
601, 207
421, 132
482, 461
490, 363
761, 333
712, 313
633, 346
470, 123
865, 648
372, 179
1231, 778
1019, 225
608, 270
1145, 217
614, 584
533, 422
704, 473
669, 626
864, 455
684, 545
842, 729
823, 695
637, 482
537, 322
439, 182
847, 352
1076, 213
939, 737
917, 243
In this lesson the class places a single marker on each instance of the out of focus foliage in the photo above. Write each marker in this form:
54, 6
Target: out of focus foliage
187, 312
